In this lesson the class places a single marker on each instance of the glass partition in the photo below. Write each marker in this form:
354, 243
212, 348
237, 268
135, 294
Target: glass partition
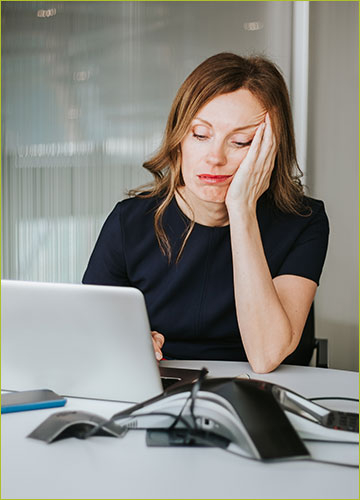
86, 89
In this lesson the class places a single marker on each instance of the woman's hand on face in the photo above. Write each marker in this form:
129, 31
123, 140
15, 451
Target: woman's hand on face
158, 341
252, 178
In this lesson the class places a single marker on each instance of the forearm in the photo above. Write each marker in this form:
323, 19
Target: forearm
264, 325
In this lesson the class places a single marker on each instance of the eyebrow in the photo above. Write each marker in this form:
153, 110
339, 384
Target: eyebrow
235, 129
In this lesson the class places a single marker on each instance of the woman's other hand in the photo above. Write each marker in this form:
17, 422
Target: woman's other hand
252, 178
158, 341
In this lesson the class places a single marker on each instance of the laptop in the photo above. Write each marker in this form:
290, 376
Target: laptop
86, 341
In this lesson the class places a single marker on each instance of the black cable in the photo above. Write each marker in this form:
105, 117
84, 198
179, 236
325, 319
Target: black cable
328, 462
179, 416
117, 417
335, 398
194, 390
157, 413
334, 441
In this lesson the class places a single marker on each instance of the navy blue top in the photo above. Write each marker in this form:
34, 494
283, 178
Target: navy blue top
192, 302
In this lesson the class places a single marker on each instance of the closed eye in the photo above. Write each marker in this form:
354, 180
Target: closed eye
242, 144
200, 137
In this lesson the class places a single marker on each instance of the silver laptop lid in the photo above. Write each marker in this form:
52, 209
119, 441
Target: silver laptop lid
78, 340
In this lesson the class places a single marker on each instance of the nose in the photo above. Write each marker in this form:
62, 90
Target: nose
216, 155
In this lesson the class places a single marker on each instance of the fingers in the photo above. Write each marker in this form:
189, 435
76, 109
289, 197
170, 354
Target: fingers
262, 143
256, 143
158, 341
159, 338
267, 151
261, 161
253, 177
158, 353
268, 136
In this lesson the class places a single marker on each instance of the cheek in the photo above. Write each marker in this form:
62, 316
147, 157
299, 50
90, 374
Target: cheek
190, 158
239, 157
189, 151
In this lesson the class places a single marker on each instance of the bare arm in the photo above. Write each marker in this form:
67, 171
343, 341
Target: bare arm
271, 312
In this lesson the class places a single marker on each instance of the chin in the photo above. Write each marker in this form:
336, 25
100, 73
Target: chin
212, 194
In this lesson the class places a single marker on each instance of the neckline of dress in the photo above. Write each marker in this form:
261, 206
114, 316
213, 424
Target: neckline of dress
197, 224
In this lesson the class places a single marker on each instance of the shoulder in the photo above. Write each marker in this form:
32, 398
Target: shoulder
303, 241
135, 215
136, 207
314, 215
129, 211
309, 212
314, 206
282, 231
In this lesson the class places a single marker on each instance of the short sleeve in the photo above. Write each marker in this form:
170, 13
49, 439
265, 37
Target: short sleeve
307, 255
107, 264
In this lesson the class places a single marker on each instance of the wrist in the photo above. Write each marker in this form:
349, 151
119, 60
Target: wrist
242, 212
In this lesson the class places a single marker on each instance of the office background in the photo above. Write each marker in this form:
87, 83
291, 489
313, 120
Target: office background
86, 89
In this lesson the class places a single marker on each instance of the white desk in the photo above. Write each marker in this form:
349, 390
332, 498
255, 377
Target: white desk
103, 467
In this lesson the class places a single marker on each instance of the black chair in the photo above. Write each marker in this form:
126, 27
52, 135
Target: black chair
308, 343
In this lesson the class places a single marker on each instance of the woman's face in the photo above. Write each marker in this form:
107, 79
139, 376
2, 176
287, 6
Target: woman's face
217, 142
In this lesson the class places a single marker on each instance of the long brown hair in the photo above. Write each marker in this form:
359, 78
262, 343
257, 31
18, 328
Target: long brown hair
221, 74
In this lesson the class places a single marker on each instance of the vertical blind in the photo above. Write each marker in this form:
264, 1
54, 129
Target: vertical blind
86, 89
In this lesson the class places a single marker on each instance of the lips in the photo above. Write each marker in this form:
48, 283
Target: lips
213, 179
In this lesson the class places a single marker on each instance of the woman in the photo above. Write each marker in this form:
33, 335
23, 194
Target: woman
224, 245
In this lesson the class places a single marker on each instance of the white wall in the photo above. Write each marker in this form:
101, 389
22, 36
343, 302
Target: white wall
333, 170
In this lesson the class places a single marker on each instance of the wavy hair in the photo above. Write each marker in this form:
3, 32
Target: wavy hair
221, 74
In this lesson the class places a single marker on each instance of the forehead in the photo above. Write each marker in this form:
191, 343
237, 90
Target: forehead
238, 109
